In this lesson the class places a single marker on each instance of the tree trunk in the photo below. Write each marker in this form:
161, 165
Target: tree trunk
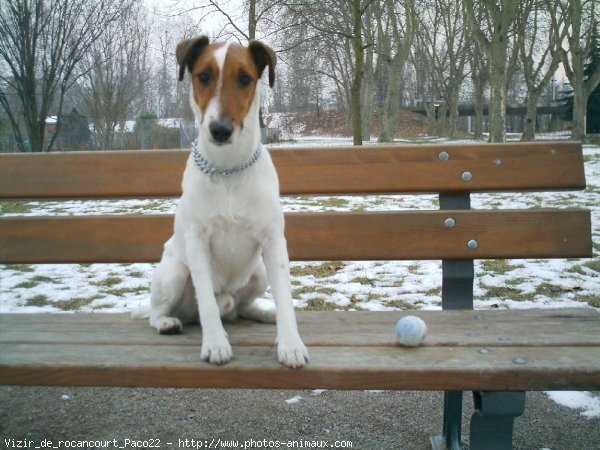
530, 117
252, 20
497, 108
392, 99
452, 106
36, 130
479, 95
358, 74
367, 97
579, 115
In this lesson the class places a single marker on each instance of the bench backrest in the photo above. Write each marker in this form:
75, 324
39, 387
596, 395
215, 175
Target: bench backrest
453, 171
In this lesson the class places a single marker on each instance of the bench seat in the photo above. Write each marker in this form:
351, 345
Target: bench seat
498, 350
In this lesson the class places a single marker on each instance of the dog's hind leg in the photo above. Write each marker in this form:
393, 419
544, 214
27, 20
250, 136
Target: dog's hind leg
166, 292
256, 286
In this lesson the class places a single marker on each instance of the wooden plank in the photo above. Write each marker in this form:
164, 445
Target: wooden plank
340, 170
403, 235
426, 368
85, 239
113, 350
411, 235
419, 169
496, 328
92, 174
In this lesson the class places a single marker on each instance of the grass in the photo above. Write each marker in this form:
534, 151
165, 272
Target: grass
319, 304
136, 273
20, 268
73, 304
437, 292
108, 282
516, 281
121, 292
414, 267
504, 293
364, 281
401, 304
35, 281
15, 207
580, 268
312, 290
106, 306
499, 266
549, 290
38, 300
333, 202
592, 300
323, 270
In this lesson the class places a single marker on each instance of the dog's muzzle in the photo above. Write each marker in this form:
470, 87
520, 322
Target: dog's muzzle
221, 130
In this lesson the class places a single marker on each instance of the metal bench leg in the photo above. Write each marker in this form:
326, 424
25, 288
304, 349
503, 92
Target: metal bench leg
457, 293
492, 422
451, 431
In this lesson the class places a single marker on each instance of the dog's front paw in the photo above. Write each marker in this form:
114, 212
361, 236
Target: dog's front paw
167, 325
292, 352
216, 351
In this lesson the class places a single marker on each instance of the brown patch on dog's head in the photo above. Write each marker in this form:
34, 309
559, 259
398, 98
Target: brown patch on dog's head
224, 80
263, 56
188, 51
239, 80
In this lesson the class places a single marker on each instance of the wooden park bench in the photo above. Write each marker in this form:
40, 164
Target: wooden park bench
497, 354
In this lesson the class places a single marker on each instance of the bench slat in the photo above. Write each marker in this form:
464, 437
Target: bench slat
532, 327
346, 170
334, 364
408, 235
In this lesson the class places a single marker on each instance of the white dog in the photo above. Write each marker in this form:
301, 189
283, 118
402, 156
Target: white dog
229, 225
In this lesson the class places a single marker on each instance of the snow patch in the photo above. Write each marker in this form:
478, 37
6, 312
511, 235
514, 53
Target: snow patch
586, 402
293, 400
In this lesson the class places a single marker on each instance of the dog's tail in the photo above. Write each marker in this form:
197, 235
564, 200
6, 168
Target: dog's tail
143, 312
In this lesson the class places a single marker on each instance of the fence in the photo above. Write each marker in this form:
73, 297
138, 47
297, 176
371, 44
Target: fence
100, 134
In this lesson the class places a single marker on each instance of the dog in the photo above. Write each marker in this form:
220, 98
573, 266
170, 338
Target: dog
228, 241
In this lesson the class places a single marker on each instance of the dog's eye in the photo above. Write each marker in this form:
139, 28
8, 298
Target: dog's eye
245, 80
204, 78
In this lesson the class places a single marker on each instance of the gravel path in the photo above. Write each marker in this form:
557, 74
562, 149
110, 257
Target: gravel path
367, 420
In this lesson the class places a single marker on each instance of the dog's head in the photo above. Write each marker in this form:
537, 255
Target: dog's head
225, 93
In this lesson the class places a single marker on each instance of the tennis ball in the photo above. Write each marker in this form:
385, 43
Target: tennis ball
411, 331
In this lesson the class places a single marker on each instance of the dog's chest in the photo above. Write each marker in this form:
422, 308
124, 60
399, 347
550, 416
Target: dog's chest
234, 218
235, 238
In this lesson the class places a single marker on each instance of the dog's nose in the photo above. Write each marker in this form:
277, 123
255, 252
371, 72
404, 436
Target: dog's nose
221, 130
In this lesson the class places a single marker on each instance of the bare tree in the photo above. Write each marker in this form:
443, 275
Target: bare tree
455, 57
395, 51
42, 43
343, 20
576, 19
480, 75
443, 32
492, 23
538, 51
111, 86
429, 66
242, 23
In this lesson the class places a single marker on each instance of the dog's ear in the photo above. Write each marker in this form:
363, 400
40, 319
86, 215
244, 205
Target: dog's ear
188, 51
263, 56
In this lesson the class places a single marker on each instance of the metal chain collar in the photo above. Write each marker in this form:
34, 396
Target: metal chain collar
207, 168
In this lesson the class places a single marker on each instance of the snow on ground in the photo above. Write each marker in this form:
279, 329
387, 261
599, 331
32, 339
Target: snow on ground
381, 285
586, 402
